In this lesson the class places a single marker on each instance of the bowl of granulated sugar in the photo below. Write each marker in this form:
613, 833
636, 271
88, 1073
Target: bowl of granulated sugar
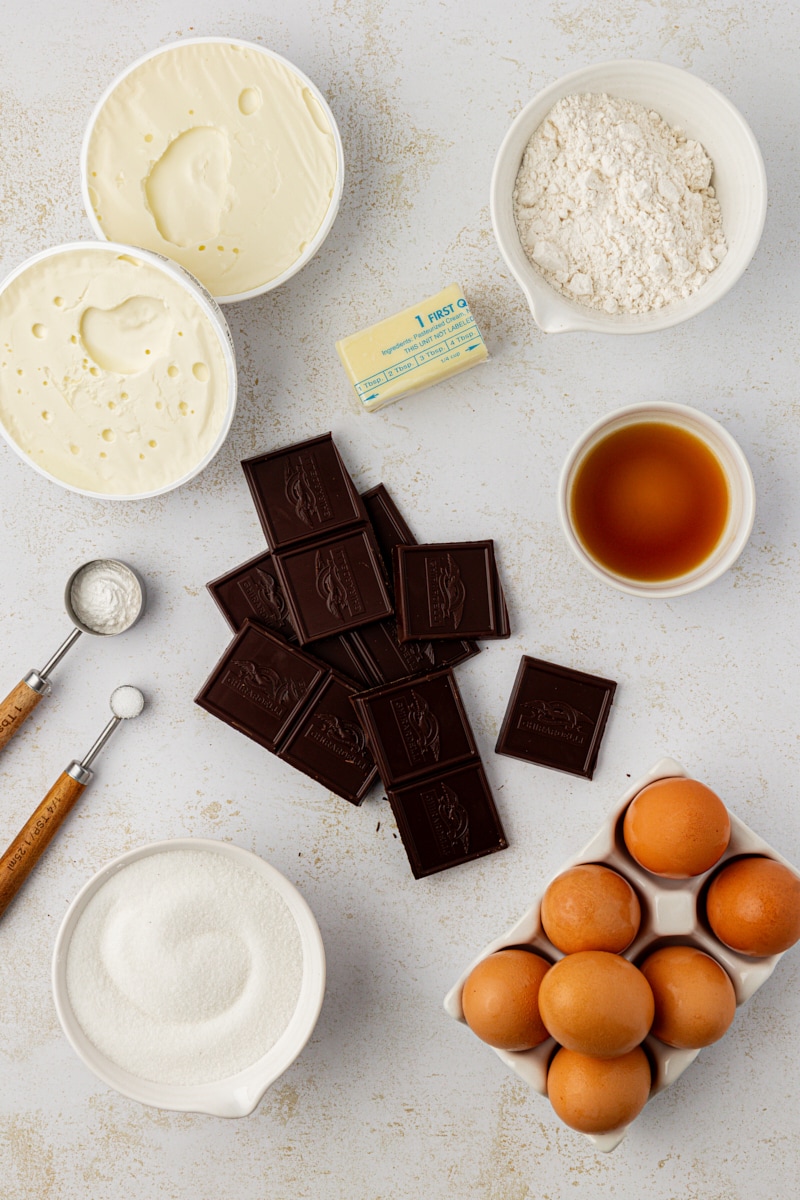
189, 975
627, 197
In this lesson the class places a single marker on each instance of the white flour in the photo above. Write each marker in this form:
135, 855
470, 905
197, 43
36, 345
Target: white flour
185, 967
615, 208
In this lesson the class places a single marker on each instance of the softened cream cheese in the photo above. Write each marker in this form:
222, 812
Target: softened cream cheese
112, 375
218, 156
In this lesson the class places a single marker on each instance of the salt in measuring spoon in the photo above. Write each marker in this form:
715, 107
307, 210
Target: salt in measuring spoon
103, 597
36, 834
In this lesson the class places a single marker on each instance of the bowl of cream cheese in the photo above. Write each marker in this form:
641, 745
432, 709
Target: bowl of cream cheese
117, 370
189, 974
627, 197
219, 154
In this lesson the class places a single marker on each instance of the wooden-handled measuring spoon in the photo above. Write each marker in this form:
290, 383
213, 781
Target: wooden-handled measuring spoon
123, 605
36, 834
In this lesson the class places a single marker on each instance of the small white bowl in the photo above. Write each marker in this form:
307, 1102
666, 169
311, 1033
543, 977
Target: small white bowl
684, 101
333, 208
741, 491
238, 1095
672, 913
210, 308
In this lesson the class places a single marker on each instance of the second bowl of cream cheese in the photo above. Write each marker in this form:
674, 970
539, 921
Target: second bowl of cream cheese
117, 372
221, 155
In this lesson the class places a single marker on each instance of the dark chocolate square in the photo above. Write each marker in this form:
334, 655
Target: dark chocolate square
450, 654
448, 820
333, 586
448, 590
260, 685
344, 655
418, 727
302, 492
389, 658
556, 717
391, 530
329, 744
387, 521
253, 590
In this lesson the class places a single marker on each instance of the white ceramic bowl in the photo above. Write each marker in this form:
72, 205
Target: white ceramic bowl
212, 311
238, 1095
741, 491
333, 208
684, 101
671, 915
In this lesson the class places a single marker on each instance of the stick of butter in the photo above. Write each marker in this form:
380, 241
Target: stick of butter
421, 345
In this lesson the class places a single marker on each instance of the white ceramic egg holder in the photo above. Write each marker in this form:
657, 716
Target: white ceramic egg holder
669, 916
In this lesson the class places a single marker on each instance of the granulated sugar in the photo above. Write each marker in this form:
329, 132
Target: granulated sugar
616, 208
185, 967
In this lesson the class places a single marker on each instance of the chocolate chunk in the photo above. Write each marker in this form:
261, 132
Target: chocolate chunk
302, 492
294, 706
388, 522
260, 685
333, 585
449, 589
328, 744
556, 717
448, 820
253, 590
416, 728
421, 739
391, 659
391, 530
344, 655
450, 654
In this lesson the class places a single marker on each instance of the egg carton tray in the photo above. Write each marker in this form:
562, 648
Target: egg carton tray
672, 913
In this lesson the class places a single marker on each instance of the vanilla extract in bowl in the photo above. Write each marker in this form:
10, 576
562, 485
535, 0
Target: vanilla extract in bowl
656, 499
650, 501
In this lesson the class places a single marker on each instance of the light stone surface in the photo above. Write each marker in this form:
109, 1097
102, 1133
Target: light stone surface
390, 1098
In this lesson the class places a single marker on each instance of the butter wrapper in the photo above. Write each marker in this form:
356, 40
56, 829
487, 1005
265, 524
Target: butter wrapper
412, 350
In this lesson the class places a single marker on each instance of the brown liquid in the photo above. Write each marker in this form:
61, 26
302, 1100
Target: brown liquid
650, 501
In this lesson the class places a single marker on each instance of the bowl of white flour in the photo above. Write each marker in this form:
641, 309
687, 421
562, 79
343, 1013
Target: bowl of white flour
189, 974
626, 198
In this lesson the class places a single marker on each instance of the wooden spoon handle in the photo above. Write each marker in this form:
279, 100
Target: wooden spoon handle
16, 708
33, 839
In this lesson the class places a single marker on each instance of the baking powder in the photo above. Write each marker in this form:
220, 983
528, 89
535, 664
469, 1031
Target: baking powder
616, 208
185, 967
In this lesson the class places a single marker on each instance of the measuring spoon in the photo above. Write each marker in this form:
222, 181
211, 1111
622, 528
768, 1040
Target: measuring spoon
36, 834
23, 699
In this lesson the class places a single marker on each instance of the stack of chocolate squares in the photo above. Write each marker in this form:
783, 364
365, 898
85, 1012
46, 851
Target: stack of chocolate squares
325, 673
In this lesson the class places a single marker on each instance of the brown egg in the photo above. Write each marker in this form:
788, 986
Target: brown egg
596, 1003
590, 907
695, 1000
677, 828
596, 1095
753, 906
501, 999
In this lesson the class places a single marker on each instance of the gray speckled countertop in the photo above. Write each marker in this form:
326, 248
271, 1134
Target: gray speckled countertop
390, 1098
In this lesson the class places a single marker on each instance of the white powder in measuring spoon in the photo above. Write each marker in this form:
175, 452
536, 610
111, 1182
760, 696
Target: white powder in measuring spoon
615, 207
106, 596
185, 967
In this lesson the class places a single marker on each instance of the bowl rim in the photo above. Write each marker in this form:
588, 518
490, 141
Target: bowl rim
211, 310
685, 416
239, 1094
333, 206
568, 316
